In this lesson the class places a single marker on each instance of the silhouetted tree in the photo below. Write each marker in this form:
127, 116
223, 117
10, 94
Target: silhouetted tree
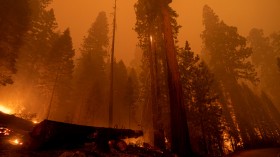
120, 99
230, 62
262, 51
266, 50
155, 18
204, 113
31, 90
228, 50
60, 68
132, 95
14, 22
91, 80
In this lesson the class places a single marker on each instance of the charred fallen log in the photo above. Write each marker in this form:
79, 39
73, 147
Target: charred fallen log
56, 135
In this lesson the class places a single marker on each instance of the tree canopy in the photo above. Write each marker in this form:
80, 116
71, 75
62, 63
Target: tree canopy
14, 22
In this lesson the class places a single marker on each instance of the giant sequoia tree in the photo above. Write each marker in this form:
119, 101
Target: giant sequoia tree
155, 18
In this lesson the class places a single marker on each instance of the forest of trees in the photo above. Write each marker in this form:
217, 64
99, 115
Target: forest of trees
228, 109
227, 93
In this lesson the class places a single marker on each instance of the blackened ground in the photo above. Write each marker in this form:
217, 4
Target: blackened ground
86, 151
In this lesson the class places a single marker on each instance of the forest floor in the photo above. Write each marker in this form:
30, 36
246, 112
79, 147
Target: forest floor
130, 151
266, 152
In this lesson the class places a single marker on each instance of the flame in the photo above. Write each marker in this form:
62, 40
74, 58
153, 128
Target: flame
5, 109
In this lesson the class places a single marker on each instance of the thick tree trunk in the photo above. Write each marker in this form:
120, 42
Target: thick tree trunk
179, 128
158, 138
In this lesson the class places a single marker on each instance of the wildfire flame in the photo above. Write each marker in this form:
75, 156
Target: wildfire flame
5, 109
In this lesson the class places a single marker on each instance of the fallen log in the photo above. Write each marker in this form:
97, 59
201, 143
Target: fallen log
56, 135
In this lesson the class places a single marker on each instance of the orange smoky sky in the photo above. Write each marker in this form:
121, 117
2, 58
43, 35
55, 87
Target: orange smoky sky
78, 15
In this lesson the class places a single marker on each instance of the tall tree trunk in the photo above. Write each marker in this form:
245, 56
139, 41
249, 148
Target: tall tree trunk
179, 128
158, 138
111, 98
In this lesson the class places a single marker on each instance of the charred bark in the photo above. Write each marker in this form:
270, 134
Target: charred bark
179, 128
158, 139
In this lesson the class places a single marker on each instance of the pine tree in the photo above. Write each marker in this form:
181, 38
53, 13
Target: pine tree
30, 90
120, 100
132, 95
60, 67
91, 80
228, 50
265, 58
204, 113
14, 22
230, 62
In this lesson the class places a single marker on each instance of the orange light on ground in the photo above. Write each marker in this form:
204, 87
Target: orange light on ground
16, 142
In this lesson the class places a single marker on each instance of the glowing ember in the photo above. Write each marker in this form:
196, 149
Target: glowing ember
16, 142
5, 110
135, 141
35, 121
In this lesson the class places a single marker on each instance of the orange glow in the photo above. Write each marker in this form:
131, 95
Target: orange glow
78, 16
35, 122
16, 142
135, 141
5, 110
